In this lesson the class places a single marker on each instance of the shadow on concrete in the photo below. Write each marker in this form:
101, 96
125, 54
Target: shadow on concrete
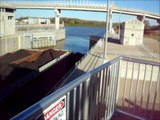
94, 39
114, 40
71, 77
136, 110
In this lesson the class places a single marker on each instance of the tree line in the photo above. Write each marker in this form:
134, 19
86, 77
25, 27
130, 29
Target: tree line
80, 22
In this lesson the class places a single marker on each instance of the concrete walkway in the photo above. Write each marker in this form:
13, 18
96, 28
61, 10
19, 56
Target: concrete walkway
93, 59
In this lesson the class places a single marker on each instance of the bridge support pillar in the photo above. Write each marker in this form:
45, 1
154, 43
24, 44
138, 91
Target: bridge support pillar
141, 18
57, 18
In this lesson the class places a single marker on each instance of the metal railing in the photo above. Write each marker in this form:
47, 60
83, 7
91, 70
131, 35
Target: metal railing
69, 73
130, 86
84, 96
90, 51
72, 70
61, 2
139, 91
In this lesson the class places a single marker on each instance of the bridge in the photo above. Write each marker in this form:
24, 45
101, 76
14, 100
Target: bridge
125, 85
79, 5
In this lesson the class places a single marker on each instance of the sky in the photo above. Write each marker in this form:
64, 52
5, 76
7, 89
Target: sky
146, 5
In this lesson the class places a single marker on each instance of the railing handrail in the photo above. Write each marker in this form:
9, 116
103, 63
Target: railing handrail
45, 102
69, 73
78, 63
60, 92
91, 2
142, 61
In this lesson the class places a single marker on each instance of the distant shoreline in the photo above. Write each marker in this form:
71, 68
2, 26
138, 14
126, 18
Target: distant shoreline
82, 25
80, 22
76, 22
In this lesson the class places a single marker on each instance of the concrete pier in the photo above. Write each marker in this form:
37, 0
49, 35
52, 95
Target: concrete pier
13, 43
57, 18
60, 35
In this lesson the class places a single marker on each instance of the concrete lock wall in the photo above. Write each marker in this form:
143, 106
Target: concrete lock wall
34, 40
24, 42
8, 44
43, 39
2, 46
60, 34
14, 43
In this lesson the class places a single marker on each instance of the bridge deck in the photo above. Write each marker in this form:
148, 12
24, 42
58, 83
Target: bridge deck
76, 5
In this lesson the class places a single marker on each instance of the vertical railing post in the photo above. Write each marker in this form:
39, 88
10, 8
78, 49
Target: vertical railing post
156, 92
143, 89
113, 88
106, 92
137, 87
149, 92
118, 81
124, 87
80, 101
68, 106
74, 103
86, 99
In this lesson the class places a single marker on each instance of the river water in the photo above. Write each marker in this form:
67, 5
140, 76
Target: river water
77, 38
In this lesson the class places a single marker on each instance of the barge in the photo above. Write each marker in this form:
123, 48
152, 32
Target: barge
27, 76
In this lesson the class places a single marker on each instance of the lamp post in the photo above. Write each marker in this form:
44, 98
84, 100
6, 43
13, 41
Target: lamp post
106, 36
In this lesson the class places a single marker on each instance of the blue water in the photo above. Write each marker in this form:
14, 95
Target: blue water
77, 37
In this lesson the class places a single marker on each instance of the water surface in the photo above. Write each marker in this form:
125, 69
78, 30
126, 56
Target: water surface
77, 38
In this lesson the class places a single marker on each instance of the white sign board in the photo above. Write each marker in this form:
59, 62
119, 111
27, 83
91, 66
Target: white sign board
56, 111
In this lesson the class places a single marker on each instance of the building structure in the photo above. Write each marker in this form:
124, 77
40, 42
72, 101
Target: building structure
131, 32
7, 20
36, 20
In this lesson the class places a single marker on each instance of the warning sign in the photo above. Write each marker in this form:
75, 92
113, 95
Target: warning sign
56, 111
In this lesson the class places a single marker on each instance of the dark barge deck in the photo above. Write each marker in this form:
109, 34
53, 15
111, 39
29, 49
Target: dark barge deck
15, 66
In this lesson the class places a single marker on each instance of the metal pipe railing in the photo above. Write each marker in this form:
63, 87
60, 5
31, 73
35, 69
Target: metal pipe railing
138, 93
63, 80
87, 85
97, 94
